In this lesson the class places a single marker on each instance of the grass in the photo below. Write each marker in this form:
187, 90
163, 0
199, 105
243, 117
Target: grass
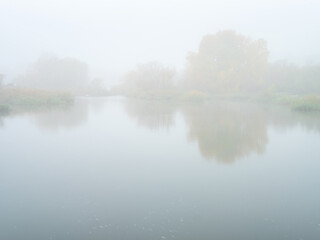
294, 102
306, 103
17, 97
303, 103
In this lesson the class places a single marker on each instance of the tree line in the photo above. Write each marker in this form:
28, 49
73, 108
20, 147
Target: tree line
227, 63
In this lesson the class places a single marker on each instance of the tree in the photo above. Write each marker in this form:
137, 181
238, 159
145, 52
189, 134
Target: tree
149, 77
1, 79
226, 62
51, 72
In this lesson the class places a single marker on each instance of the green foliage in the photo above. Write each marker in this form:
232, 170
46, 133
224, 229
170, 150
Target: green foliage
306, 103
294, 102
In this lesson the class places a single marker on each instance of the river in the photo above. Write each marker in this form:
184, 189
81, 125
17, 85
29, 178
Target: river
113, 168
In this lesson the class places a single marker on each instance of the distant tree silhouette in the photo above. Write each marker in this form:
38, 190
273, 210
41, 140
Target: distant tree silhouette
150, 76
51, 72
1, 79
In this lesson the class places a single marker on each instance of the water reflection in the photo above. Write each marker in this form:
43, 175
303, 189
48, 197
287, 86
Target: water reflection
108, 179
3, 115
66, 117
284, 119
151, 114
1, 121
226, 131
70, 116
60, 116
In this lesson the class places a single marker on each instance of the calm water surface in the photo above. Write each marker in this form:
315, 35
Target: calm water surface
119, 169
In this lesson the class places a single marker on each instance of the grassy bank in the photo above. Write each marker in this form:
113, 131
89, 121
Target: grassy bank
11, 98
294, 102
305, 103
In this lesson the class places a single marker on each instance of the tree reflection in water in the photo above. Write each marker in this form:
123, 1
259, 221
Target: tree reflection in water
226, 131
223, 130
153, 115
68, 117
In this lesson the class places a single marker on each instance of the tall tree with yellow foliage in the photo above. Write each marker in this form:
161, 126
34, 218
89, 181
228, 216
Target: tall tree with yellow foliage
227, 62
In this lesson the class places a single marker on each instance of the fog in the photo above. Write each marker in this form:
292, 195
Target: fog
113, 36
158, 120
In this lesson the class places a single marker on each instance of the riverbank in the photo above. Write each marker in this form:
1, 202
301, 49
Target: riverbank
294, 102
13, 98
303, 103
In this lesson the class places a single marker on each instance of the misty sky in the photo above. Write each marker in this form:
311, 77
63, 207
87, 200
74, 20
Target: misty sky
113, 36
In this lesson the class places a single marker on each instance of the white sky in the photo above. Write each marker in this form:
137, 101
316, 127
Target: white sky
113, 36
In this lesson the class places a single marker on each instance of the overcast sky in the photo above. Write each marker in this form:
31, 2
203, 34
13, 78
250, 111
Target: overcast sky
113, 36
